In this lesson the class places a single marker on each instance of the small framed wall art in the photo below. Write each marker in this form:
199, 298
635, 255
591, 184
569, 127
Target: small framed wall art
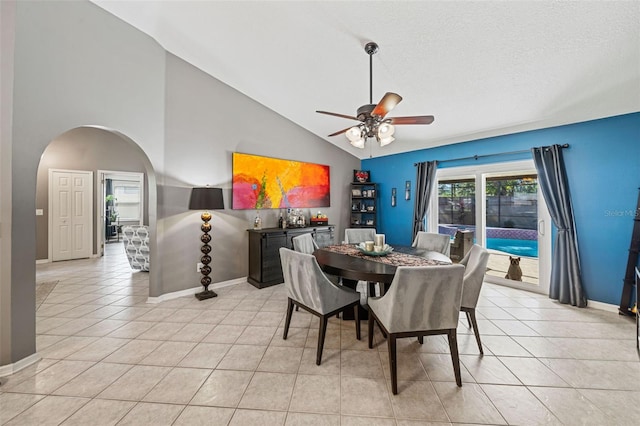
393, 197
361, 176
407, 190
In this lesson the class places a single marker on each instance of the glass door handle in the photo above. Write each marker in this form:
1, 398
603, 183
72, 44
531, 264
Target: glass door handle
541, 227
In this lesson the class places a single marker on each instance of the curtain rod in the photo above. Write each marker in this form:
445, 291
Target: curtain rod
475, 157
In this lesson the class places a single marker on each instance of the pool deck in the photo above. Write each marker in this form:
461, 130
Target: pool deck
499, 263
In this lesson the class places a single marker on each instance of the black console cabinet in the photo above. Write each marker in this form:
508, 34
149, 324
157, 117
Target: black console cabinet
264, 251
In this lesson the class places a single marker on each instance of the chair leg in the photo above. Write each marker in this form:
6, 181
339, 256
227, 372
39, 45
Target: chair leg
356, 317
370, 329
472, 315
321, 334
393, 363
453, 348
468, 318
421, 339
287, 321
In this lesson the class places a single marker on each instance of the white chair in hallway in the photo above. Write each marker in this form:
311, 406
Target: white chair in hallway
136, 245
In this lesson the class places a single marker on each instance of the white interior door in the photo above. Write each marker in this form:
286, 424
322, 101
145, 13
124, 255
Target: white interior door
70, 202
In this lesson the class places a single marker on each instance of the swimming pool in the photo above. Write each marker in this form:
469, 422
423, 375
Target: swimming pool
527, 248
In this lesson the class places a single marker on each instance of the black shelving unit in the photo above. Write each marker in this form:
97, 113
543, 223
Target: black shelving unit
364, 205
632, 262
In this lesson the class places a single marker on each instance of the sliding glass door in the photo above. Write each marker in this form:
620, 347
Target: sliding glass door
499, 207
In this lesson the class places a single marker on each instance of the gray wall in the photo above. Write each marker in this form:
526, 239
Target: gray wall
7, 20
76, 65
206, 121
90, 149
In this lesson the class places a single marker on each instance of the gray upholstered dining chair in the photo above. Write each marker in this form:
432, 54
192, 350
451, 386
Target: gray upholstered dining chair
308, 288
306, 244
356, 236
475, 263
431, 241
421, 301
359, 235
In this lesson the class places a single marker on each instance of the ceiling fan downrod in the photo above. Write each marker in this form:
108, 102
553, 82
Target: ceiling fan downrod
371, 48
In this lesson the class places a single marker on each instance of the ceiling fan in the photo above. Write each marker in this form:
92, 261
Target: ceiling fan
372, 116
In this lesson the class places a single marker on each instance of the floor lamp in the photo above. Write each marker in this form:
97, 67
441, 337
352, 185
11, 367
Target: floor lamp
206, 199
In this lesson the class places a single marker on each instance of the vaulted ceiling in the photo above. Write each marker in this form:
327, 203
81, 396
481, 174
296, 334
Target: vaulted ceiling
482, 68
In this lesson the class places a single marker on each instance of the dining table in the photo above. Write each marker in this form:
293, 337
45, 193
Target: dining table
353, 265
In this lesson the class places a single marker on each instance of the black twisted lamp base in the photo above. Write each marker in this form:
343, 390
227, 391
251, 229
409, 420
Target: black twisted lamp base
205, 259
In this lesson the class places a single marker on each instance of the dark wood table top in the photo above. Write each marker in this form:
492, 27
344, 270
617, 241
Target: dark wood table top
357, 268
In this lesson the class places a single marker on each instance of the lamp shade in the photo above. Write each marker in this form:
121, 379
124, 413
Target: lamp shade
206, 198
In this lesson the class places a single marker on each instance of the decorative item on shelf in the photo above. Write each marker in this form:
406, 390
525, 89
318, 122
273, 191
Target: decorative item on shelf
282, 223
361, 176
257, 221
356, 192
393, 197
206, 198
319, 219
407, 190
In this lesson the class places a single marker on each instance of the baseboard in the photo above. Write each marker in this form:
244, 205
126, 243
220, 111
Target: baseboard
194, 290
41, 261
602, 306
7, 370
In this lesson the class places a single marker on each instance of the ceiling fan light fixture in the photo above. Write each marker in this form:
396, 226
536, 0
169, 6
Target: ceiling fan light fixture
386, 141
385, 130
354, 133
359, 143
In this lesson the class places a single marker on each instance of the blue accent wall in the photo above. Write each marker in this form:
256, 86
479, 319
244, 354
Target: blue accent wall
603, 167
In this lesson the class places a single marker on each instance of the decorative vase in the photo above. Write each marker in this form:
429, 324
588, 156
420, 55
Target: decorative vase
257, 222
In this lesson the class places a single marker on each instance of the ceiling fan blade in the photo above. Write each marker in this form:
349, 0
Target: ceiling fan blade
335, 114
418, 119
386, 104
340, 131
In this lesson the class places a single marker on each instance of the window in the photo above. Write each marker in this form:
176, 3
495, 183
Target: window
456, 205
128, 204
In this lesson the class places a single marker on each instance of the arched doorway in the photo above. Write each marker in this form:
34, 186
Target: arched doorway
94, 149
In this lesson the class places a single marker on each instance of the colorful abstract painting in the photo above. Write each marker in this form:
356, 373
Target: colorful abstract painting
272, 183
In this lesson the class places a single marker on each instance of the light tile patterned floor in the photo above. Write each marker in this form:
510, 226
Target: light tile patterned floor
108, 358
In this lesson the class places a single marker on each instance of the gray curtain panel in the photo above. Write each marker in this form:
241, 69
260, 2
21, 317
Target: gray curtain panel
566, 281
425, 183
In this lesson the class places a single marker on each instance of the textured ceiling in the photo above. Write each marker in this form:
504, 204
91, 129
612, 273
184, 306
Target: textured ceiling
482, 68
